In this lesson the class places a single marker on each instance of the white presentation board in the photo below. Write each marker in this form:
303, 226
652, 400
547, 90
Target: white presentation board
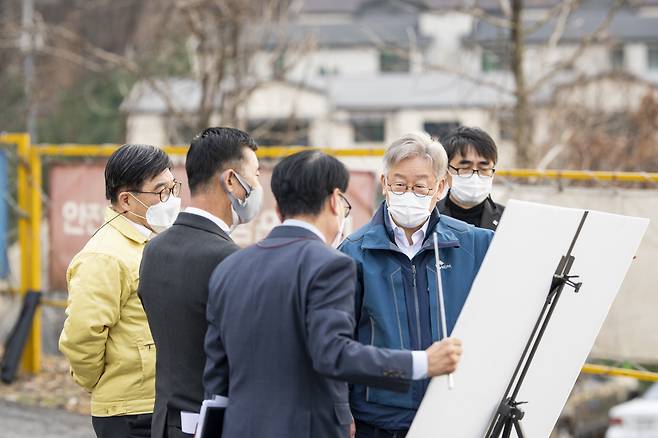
507, 297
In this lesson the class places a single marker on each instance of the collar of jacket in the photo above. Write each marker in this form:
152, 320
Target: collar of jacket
282, 235
200, 223
491, 213
123, 226
380, 233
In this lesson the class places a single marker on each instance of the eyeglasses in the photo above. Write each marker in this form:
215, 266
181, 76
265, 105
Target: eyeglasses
400, 188
166, 192
467, 172
349, 206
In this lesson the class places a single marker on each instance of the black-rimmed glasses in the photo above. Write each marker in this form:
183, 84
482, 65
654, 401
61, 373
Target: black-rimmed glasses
400, 188
349, 206
166, 192
467, 172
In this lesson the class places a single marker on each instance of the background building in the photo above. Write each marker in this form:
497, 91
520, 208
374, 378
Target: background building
352, 73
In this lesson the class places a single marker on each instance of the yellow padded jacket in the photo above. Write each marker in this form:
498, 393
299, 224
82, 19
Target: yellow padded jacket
106, 337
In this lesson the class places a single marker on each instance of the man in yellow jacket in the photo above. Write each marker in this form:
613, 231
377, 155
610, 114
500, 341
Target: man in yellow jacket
106, 337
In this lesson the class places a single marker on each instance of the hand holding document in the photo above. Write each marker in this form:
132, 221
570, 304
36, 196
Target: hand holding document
211, 417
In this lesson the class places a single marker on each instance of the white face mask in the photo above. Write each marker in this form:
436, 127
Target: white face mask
471, 191
245, 211
409, 210
161, 215
339, 236
444, 192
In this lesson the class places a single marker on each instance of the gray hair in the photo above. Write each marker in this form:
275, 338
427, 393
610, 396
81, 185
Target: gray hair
419, 144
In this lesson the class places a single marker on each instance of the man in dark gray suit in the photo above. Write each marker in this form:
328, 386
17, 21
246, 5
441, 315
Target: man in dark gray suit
221, 168
281, 318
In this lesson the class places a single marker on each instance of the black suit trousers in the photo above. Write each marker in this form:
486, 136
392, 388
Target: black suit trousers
123, 426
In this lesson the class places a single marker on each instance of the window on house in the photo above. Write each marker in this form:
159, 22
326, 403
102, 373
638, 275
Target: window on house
617, 57
368, 130
327, 71
392, 62
439, 130
652, 56
495, 59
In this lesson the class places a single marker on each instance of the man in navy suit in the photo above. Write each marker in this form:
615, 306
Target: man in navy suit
280, 314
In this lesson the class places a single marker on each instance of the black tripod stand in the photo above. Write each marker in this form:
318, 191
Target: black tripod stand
508, 415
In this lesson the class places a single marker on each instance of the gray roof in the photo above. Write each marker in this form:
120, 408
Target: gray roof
372, 93
365, 93
363, 6
184, 95
331, 6
370, 31
428, 90
157, 97
625, 26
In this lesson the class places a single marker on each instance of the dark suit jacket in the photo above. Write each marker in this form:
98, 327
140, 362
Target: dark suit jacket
491, 213
279, 341
174, 274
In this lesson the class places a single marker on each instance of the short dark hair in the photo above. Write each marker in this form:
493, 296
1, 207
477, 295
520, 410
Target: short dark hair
461, 139
302, 182
130, 166
214, 150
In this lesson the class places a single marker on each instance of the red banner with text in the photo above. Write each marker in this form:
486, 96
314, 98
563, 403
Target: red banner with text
77, 206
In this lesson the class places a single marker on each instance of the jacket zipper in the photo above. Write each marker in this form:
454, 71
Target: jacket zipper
372, 342
413, 271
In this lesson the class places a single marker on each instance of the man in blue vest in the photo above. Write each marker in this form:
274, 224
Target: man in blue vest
397, 304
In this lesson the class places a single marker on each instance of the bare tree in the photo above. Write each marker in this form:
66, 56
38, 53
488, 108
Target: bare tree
509, 18
221, 38
619, 138
522, 117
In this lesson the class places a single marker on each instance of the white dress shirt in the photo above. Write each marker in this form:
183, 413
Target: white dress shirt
305, 225
142, 229
203, 213
410, 250
419, 358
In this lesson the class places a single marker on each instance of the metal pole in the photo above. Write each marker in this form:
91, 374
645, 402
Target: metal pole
32, 358
442, 310
27, 45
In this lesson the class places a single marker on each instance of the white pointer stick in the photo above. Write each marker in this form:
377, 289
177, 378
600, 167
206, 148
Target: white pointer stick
442, 310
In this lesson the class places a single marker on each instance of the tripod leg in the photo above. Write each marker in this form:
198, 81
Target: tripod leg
518, 429
507, 431
497, 428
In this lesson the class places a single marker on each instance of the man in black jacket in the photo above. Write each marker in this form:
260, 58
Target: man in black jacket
222, 171
472, 157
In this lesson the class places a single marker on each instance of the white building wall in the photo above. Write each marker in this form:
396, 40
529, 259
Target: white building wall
146, 129
540, 60
635, 58
447, 31
329, 132
278, 101
301, 65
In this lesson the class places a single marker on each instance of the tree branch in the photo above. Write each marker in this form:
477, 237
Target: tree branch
586, 42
